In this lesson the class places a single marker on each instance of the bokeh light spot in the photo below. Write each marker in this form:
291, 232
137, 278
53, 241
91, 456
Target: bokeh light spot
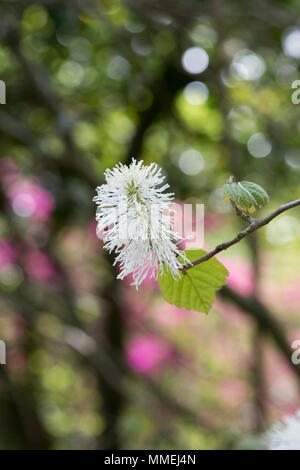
291, 42
195, 60
247, 65
283, 230
259, 146
191, 162
196, 93
118, 68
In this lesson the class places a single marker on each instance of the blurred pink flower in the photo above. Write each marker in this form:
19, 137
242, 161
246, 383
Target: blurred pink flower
212, 221
294, 334
241, 276
135, 305
39, 266
233, 392
7, 253
31, 200
169, 315
280, 379
291, 295
91, 231
232, 314
146, 353
150, 283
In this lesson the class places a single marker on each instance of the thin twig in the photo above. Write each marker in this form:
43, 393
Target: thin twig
254, 225
241, 213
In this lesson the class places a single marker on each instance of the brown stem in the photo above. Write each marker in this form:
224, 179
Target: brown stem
254, 225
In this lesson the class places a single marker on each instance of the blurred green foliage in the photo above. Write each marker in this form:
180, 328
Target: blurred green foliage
89, 84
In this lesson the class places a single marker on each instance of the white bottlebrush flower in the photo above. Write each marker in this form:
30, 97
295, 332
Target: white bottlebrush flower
286, 434
135, 220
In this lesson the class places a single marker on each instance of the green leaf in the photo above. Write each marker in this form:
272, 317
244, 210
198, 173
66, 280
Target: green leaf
195, 290
246, 195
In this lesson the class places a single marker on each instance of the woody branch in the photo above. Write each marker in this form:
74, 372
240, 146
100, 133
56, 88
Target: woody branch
254, 224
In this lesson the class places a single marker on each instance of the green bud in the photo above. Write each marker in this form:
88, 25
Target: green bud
247, 196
